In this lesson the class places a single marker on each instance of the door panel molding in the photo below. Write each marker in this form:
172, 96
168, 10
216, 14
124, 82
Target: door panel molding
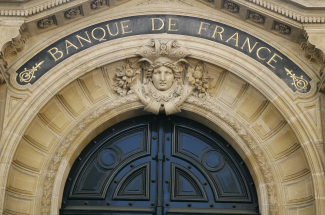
171, 166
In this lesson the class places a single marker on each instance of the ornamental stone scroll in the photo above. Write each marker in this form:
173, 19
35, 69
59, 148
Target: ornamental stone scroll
162, 78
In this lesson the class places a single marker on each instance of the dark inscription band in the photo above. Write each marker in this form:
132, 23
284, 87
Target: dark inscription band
278, 63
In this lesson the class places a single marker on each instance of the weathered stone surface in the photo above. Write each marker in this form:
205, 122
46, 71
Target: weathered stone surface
277, 132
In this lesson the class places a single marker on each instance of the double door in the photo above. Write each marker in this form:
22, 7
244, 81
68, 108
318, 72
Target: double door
159, 165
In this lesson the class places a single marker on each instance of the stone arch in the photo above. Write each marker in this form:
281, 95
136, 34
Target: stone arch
31, 178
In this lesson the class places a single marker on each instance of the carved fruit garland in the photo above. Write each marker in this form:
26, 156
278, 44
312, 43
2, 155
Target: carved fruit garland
124, 77
198, 78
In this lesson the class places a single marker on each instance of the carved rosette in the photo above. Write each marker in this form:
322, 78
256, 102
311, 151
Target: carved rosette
72, 13
232, 7
96, 4
258, 18
162, 78
282, 28
45, 23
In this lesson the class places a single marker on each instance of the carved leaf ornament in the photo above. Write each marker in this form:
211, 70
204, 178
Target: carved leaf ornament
162, 78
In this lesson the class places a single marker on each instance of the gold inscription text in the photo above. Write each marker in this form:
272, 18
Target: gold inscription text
153, 24
104, 34
232, 38
124, 27
69, 44
56, 51
249, 45
79, 37
109, 30
172, 24
218, 32
258, 52
201, 27
272, 59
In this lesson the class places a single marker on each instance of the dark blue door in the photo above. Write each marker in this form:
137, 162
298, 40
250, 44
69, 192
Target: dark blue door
159, 165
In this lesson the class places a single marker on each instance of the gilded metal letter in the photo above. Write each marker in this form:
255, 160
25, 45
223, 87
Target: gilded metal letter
123, 27
153, 24
258, 52
56, 52
201, 28
172, 24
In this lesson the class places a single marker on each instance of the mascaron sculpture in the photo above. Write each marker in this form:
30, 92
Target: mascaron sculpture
162, 78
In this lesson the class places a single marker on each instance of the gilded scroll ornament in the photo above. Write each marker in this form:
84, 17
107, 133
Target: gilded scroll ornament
28, 74
299, 82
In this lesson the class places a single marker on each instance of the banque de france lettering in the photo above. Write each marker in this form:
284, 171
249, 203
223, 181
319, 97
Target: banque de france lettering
158, 24
170, 24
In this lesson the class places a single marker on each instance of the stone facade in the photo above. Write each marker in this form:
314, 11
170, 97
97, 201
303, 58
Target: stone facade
277, 131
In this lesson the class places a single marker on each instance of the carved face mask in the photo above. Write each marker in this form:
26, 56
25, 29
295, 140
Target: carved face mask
163, 78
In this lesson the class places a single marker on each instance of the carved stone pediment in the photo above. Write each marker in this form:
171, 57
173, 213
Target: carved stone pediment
162, 78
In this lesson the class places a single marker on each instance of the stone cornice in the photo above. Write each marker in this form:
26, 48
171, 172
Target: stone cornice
300, 11
30, 8
304, 15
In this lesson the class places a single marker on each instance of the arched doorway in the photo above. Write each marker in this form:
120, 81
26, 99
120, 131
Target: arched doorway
159, 165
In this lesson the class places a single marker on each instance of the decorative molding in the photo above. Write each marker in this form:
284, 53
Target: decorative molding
213, 107
322, 83
72, 13
163, 2
232, 7
124, 77
296, 15
14, 45
282, 28
47, 22
312, 111
258, 18
56, 161
162, 78
96, 4
2, 79
29, 11
288, 12
314, 47
312, 52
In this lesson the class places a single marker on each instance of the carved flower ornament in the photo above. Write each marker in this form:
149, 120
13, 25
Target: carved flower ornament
197, 77
124, 76
162, 78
